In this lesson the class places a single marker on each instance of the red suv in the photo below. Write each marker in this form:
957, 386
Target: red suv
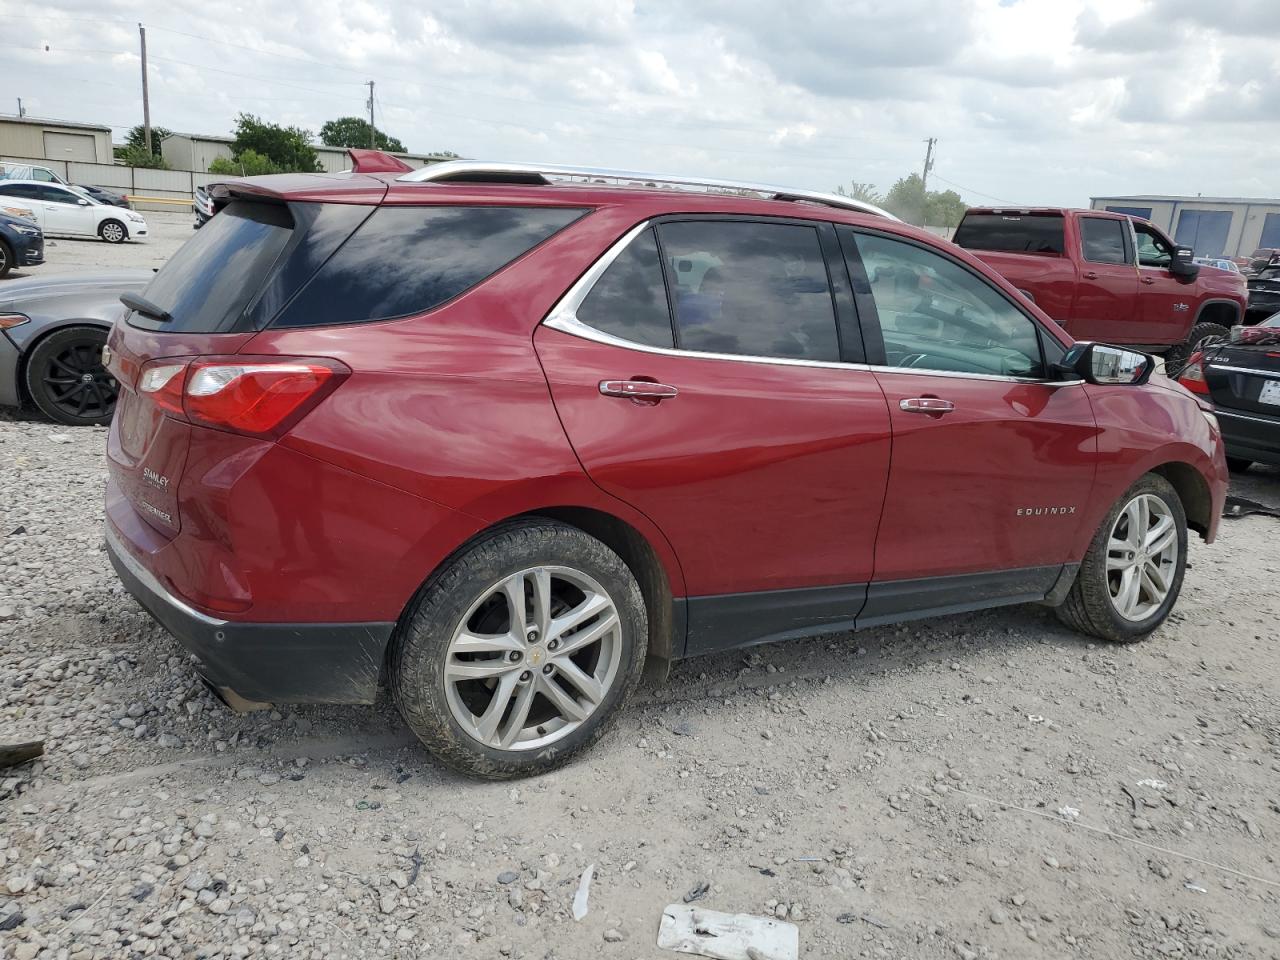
497, 436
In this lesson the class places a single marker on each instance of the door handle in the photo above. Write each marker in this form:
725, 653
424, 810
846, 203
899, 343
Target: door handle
638, 391
931, 405
1148, 280
1091, 275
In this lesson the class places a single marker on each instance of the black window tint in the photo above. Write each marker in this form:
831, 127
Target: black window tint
406, 260
630, 299
1102, 240
756, 289
58, 195
936, 315
208, 283
1011, 233
27, 191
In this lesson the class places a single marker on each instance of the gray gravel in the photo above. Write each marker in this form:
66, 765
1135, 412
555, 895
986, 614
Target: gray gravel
931, 790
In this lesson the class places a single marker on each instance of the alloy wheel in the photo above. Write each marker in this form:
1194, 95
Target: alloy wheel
77, 382
112, 232
1142, 557
4, 259
533, 658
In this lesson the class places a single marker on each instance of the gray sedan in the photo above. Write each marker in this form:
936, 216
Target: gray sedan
51, 334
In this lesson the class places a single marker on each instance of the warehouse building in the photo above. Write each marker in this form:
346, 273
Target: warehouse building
32, 138
1212, 226
195, 151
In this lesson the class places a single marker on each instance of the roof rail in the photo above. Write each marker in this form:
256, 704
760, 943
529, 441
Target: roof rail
483, 171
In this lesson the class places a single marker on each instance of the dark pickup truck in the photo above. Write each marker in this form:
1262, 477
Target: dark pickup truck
1107, 276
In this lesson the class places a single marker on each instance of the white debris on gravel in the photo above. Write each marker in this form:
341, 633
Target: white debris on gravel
160, 824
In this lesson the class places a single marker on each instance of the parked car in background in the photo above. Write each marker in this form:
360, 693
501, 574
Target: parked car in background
62, 212
21, 243
10, 170
1262, 258
1241, 376
1107, 276
51, 345
1218, 263
495, 435
202, 206
1264, 292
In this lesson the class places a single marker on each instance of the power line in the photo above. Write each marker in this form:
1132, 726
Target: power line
985, 196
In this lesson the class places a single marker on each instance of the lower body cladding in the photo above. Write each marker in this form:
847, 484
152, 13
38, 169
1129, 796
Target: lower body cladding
343, 662
1250, 436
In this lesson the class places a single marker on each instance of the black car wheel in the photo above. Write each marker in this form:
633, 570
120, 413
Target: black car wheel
6, 258
66, 379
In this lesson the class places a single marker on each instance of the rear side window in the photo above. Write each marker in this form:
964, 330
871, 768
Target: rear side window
750, 288
27, 191
630, 299
1009, 233
1102, 240
407, 260
208, 283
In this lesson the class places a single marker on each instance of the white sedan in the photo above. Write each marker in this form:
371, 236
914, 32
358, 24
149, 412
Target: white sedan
64, 212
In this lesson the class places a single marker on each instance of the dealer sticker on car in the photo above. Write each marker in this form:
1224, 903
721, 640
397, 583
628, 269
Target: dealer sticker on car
1270, 392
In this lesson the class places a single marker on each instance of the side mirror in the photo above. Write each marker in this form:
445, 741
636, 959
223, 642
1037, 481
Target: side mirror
83, 202
1104, 364
1183, 265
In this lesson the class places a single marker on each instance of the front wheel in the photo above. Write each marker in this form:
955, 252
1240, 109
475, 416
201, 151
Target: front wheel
520, 650
113, 231
1132, 573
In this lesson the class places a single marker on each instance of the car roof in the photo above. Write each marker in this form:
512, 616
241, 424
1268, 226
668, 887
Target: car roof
1012, 210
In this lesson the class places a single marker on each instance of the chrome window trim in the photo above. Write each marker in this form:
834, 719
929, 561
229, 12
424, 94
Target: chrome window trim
1240, 416
564, 317
1270, 374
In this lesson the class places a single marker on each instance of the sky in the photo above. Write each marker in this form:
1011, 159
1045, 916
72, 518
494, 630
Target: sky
1031, 101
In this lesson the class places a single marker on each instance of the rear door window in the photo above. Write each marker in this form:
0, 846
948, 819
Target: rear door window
212, 278
1102, 241
630, 299
1011, 233
405, 260
25, 191
750, 288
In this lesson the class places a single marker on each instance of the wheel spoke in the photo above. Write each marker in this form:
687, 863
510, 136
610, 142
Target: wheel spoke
488, 643
84, 402
1127, 597
593, 605
541, 580
587, 684
1160, 539
1157, 579
569, 708
586, 637
487, 723
479, 669
519, 714
513, 588
65, 368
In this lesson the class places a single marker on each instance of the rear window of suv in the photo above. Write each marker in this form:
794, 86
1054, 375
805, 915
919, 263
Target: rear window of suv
1011, 233
407, 260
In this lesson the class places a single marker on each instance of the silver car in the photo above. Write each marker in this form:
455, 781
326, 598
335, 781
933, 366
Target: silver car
51, 334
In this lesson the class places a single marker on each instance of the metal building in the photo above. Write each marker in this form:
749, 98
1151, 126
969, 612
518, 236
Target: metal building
34, 138
1212, 226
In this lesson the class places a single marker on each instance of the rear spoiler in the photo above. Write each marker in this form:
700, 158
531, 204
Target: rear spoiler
375, 161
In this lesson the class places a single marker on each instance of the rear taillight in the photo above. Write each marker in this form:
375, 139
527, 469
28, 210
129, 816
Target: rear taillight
258, 396
1192, 376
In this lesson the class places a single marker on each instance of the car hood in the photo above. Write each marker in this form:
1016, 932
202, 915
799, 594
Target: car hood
73, 283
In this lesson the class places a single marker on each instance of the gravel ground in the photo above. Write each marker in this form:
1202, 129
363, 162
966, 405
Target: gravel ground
986, 785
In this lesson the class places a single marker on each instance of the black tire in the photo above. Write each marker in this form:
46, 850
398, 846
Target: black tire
1089, 608
113, 231
6, 258
66, 380
1238, 464
419, 650
1176, 357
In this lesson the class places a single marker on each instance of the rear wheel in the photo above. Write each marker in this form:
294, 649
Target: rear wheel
66, 379
519, 652
1132, 574
1238, 464
113, 231
1176, 357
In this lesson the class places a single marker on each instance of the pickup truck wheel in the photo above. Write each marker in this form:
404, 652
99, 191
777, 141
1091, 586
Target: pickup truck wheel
1132, 573
518, 653
1177, 356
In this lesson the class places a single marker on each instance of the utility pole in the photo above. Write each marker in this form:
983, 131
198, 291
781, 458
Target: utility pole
928, 164
21, 113
373, 136
146, 99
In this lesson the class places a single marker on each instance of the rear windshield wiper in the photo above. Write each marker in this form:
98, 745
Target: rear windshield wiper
145, 307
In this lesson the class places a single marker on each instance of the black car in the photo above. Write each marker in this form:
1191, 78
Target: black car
21, 243
1264, 289
1241, 375
104, 196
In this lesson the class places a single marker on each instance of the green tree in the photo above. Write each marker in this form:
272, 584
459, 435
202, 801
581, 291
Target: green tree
944, 209
906, 199
137, 137
288, 149
866, 192
249, 163
354, 132
133, 152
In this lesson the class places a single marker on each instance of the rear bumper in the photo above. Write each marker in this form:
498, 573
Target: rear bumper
1250, 436
272, 662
